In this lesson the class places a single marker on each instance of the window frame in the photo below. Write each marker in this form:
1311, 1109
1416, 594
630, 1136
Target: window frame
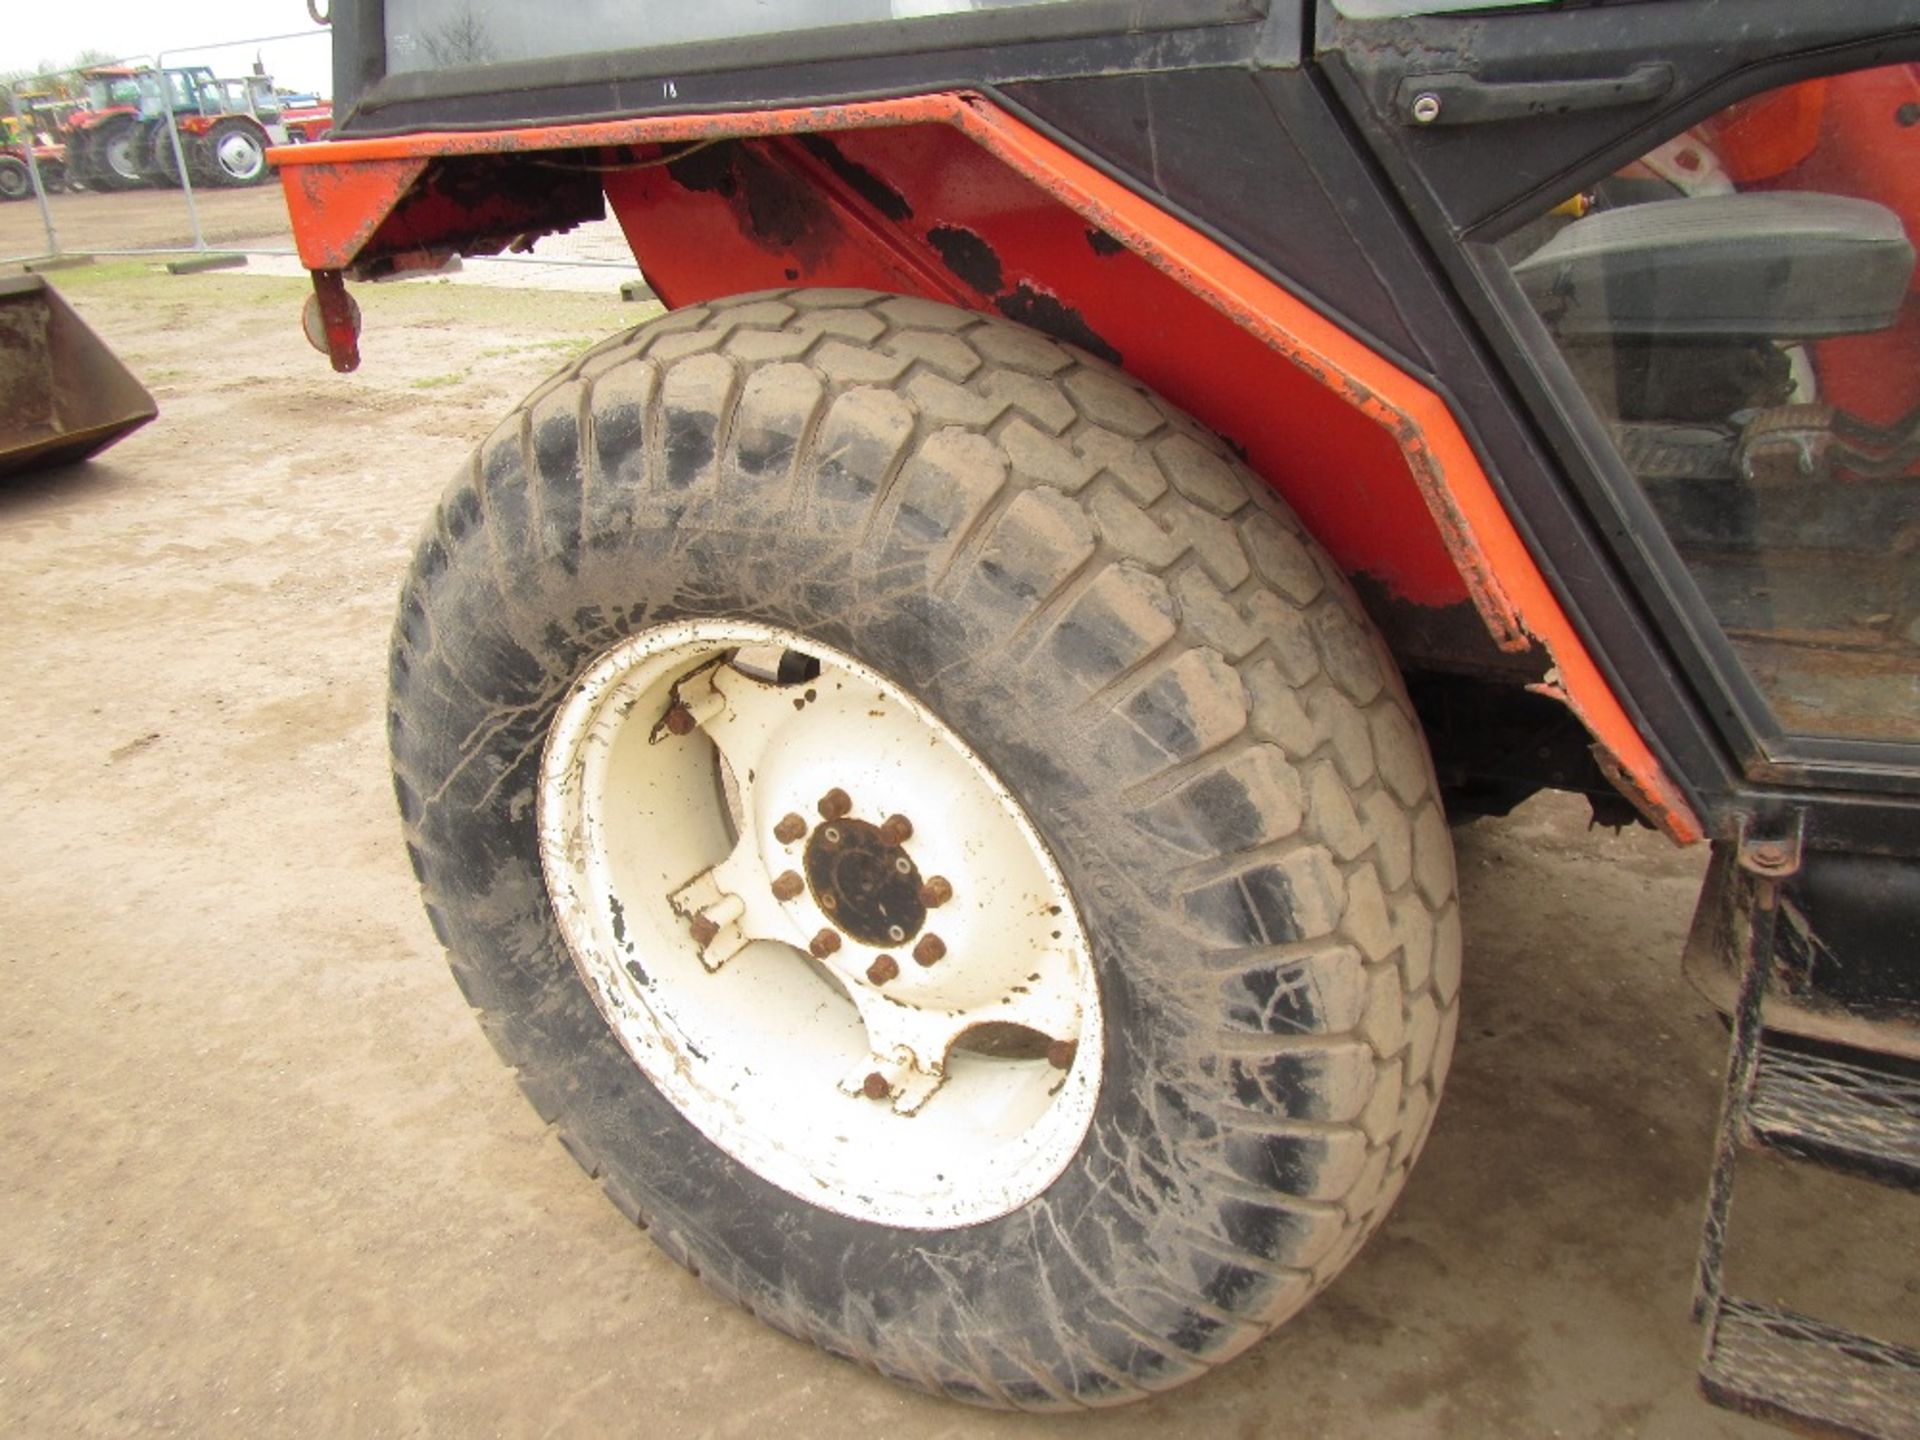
1764, 750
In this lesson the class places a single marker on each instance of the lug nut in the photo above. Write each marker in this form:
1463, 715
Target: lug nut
931, 949
936, 892
897, 830
875, 1087
704, 929
883, 969
1060, 1054
680, 720
787, 885
824, 944
835, 804
790, 829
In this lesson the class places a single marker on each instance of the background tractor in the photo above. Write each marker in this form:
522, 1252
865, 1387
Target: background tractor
122, 137
103, 133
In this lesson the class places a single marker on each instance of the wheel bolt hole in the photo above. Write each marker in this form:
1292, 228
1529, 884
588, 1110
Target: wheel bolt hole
831, 834
896, 934
903, 865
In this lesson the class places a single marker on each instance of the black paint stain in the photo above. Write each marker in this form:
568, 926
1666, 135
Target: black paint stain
1048, 315
707, 171
969, 257
864, 183
774, 209
1103, 243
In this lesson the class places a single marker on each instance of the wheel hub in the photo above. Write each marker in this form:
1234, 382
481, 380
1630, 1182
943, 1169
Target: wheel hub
870, 887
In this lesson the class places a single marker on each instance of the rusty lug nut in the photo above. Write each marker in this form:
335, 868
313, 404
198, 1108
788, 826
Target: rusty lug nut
824, 944
936, 892
896, 830
790, 829
680, 720
1060, 1054
787, 885
705, 929
883, 969
875, 1087
835, 803
931, 949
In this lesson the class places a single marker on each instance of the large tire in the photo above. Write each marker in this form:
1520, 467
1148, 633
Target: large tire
162, 169
234, 153
115, 154
16, 181
1178, 689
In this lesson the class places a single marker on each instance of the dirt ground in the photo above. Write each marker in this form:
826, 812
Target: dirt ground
144, 219
261, 1175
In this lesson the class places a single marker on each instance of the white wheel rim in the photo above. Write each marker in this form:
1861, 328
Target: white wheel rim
239, 155
120, 156
828, 1077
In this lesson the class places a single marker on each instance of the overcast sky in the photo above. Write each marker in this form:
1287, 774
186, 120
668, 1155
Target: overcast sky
54, 31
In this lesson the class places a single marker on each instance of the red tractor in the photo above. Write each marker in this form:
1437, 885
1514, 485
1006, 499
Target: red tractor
307, 118
933, 759
16, 177
36, 127
103, 135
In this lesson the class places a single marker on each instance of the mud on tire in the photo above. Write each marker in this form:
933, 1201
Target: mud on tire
1140, 640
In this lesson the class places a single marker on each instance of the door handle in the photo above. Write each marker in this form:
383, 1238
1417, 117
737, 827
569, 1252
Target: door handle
1461, 99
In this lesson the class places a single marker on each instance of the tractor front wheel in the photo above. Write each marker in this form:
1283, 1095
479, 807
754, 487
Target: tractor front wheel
943, 846
16, 181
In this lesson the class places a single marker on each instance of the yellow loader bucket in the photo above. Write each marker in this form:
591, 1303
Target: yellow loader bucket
63, 393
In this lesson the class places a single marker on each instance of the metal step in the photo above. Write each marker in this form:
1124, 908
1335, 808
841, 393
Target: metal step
1847, 1116
1780, 1366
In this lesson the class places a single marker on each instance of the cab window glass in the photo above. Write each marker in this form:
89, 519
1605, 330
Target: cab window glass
429, 34
1741, 306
